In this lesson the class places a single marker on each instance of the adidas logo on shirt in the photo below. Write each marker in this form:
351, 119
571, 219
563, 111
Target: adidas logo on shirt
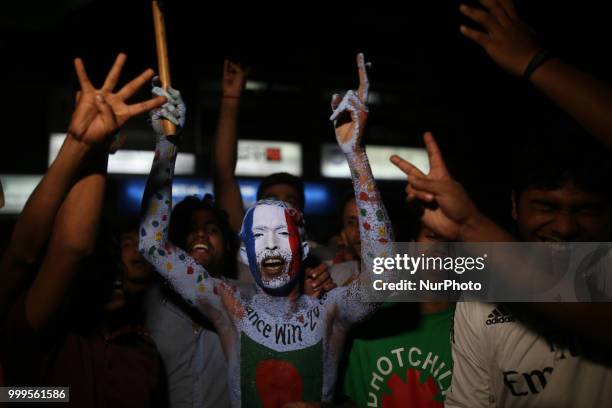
499, 315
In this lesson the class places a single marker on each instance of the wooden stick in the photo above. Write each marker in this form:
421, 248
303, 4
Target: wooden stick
162, 58
1, 195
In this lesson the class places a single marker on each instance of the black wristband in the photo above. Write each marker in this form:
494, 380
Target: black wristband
541, 57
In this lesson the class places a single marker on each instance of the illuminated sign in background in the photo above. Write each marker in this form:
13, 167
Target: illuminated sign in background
319, 196
256, 158
334, 165
17, 190
260, 158
129, 161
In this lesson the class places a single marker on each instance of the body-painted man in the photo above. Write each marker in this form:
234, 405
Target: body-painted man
281, 346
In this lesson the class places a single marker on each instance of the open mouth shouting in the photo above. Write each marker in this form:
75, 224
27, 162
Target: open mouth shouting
273, 265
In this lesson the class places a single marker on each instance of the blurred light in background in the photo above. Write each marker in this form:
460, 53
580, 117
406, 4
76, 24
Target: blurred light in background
334, 165
17, 190
129, 161
319, 196
255, 158
263, 157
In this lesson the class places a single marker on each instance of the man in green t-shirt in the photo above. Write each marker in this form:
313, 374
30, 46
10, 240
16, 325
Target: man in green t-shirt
401, 356
402, 366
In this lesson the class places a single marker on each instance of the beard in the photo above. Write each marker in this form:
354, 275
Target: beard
279, 279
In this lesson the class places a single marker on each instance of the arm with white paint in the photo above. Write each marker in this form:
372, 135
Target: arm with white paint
188, 278
349, 117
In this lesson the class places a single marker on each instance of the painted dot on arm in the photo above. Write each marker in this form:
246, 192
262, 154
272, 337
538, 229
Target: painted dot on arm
380, 215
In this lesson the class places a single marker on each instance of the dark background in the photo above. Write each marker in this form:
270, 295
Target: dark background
428, 75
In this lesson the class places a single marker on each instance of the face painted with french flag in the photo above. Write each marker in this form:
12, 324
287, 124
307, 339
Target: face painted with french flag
273, 245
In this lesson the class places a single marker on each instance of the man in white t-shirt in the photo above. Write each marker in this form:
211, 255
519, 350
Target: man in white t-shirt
500, 362
560, 194
498, 359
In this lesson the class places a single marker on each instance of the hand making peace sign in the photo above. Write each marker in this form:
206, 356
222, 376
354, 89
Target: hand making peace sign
101, 112
446, 205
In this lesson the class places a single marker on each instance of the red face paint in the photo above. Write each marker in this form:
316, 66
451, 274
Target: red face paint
294, 244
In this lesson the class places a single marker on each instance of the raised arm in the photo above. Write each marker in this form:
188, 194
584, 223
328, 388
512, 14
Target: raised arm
98, 115
509, 42
349, 117
34, 225
188, 278
227, 191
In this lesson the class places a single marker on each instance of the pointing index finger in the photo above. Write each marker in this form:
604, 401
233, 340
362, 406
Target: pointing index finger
364, 83
408, 168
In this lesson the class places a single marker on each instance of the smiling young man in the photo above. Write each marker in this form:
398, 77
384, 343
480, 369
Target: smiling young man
188, 343
561, 192
500, 357
538, 354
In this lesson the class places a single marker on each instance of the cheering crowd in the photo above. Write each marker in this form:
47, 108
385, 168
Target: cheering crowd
203, 303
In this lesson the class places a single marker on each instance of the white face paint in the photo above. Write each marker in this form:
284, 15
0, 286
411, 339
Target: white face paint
272, 248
